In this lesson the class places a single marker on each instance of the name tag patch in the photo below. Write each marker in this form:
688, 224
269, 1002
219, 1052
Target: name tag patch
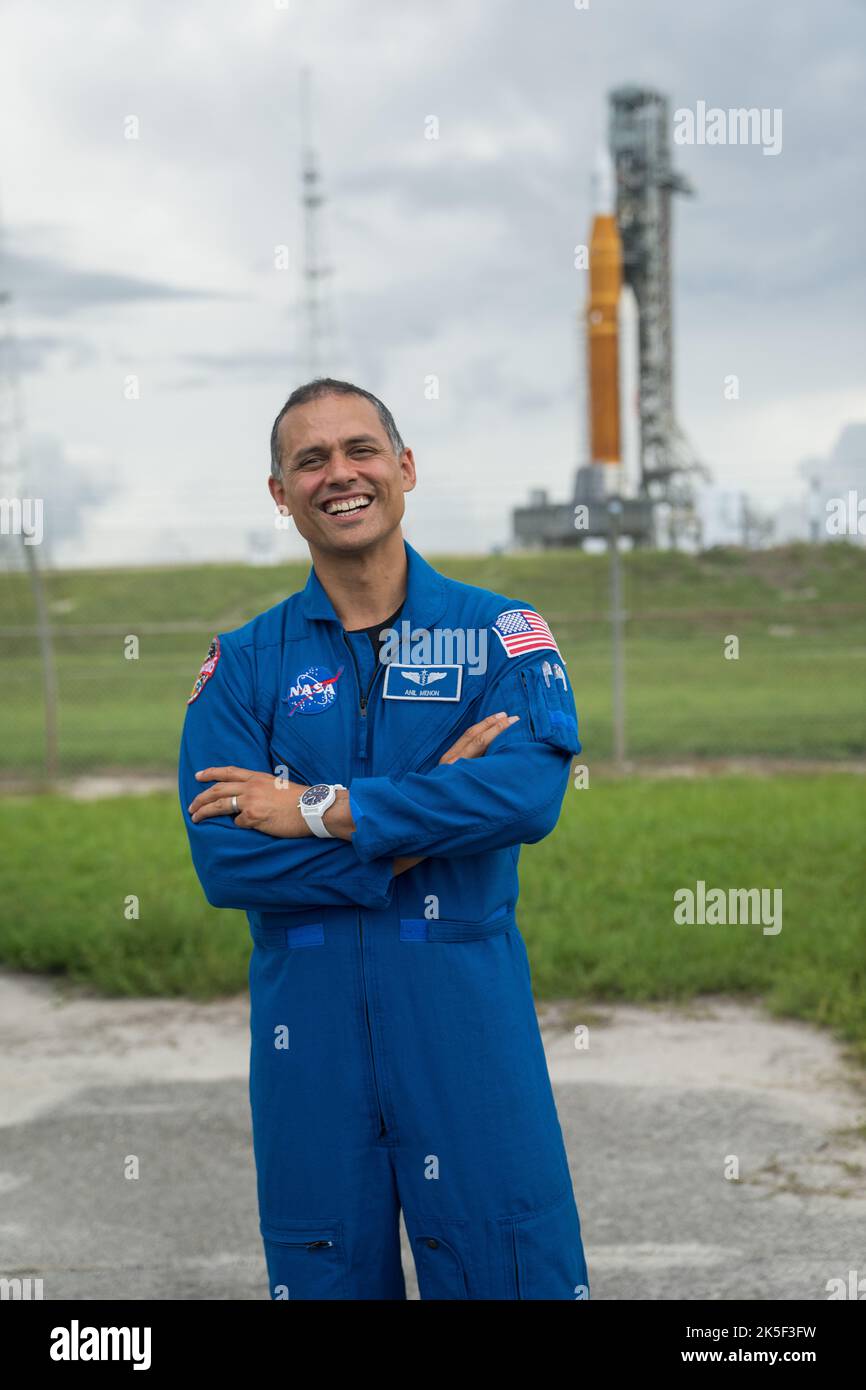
416, 682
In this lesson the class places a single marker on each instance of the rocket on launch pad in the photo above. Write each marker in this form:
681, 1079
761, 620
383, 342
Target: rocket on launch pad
611, 346
630, 446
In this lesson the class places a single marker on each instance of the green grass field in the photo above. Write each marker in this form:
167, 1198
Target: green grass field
596, 904
597, 897
797, 689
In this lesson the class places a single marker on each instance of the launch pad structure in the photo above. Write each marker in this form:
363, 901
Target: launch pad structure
632, 228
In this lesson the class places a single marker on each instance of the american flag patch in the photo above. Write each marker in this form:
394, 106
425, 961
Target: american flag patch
522, 630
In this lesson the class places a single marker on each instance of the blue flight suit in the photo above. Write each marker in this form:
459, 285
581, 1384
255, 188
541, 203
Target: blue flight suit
396, 1060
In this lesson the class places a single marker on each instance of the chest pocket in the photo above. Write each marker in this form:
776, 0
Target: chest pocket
418, 732
313, 750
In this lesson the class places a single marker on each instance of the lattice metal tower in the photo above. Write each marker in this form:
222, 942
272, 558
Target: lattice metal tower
317, 325
15, 551
640, 146
11, 472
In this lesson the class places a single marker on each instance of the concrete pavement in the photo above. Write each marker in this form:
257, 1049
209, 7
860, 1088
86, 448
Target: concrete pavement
654, 1112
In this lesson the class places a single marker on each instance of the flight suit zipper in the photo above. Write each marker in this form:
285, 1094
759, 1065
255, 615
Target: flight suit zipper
382, 1125
304, 1244
363, 698
361, 752
526, 693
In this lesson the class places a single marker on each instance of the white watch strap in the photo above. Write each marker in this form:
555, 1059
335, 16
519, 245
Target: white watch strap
316, 823
314, 815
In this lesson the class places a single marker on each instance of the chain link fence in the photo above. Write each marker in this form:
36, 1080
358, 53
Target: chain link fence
97, 666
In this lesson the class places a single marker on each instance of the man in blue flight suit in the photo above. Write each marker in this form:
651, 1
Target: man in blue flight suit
359, 767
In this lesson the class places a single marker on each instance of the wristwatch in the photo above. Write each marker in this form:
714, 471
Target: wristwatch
315, 801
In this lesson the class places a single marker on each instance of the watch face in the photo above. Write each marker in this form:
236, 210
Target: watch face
314, 796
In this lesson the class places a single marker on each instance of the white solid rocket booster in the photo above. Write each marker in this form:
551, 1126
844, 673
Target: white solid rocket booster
629, 391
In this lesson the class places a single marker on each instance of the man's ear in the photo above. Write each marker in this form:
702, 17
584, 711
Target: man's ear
407, 469
278, 492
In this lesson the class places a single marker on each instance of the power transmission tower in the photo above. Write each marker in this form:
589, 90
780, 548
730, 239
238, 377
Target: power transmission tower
17, 544
317, 325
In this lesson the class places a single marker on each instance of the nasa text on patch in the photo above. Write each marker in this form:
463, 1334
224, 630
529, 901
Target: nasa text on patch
413, 682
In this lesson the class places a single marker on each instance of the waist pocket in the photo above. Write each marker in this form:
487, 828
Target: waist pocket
273, 930
305, 1261
454, 929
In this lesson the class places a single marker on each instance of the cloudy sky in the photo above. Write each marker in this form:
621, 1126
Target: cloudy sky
154, 257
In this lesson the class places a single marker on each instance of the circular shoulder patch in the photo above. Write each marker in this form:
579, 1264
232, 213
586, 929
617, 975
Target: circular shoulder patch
208, 667
313, 691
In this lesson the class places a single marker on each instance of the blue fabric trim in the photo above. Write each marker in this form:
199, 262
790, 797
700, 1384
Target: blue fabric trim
413, 928
308, 934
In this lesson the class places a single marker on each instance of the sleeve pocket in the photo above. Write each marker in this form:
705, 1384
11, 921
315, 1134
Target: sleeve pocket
553, 718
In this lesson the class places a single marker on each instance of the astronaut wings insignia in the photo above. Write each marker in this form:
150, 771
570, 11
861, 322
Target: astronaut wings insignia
423, 677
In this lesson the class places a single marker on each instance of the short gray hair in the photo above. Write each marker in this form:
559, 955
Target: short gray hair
327, 386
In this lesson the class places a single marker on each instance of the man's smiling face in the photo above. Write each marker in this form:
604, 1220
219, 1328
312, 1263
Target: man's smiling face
341, 480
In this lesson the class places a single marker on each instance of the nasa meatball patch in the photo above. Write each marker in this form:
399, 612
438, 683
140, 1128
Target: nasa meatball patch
312, 691
208, 667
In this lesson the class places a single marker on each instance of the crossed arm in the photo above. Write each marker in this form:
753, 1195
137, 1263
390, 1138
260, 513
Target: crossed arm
501, 784
270, 804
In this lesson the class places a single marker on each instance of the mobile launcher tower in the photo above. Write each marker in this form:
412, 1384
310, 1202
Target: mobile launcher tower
637, 452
